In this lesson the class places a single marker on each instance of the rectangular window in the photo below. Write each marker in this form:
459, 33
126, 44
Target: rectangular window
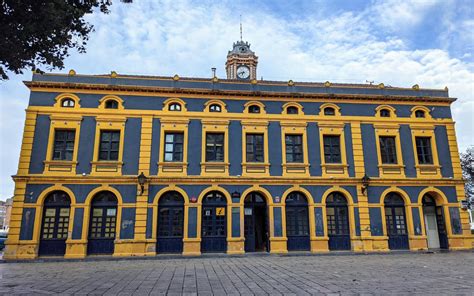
332, 149
63, 144
173, 147
109, 145
254, 148
294, 148
215, 147
388, 152
423, 149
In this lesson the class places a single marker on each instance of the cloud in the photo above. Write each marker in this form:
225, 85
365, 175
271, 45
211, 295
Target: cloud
188, 38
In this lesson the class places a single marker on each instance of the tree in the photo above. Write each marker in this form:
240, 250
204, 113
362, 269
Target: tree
41, 32
467, 165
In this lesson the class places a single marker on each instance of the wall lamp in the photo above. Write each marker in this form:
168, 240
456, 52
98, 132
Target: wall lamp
141, 181
365, 183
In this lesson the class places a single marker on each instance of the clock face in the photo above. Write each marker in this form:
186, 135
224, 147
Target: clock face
243, 72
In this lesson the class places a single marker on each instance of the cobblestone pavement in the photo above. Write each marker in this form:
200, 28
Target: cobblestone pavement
396, 274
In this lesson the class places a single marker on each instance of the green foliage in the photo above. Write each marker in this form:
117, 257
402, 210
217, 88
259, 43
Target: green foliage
467, 165
41, 32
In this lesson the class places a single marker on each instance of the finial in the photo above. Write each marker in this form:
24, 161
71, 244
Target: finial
240, 27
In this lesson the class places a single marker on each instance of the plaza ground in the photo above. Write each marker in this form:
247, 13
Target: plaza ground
403, 273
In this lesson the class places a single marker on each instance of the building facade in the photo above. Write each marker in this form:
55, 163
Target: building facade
139, 166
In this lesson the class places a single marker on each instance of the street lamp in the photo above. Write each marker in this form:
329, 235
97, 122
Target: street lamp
365, 183
141, 181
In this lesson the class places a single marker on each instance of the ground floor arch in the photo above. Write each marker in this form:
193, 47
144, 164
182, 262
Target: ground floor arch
337, 216
256, 227
396, 221
297, 222
435, 226
102, 224
55, 224
170, 230
214, 223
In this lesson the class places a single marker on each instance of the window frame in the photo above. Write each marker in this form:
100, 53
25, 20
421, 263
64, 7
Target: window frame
423, 154
64, 143
215, 145
213, 168
333, 169
170, 168
110, 142
389, 169
256, 153
293, 145
428, 170
175, 143
294, 169
328, 156
388, 150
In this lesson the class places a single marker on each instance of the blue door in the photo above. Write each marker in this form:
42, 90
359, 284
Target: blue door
395, 222
102, 224
214, 223
255, 223
337, 214
170, 223
297, 222
54, 227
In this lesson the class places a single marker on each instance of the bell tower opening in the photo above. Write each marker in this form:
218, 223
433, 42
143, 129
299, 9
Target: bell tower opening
241, 61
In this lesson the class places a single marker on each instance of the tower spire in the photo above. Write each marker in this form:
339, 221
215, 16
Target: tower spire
240, 27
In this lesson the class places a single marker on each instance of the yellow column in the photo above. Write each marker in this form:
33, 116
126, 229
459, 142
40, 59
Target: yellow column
366, 242
453, 148
27, 143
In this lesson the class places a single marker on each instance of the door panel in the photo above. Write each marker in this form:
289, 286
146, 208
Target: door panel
170, 229
396, 227
102, 230
214, 229
297, 228
338, 228
432, 230
54, 231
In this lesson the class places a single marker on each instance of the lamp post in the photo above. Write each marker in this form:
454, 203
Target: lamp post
365, 183
141, 181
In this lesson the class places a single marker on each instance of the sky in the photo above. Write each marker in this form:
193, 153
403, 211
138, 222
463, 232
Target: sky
395, 42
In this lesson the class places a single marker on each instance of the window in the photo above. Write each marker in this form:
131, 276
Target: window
174, 147
292, 110
109, 145
329, 111
68, 103
215, 147
254, 147
111, 104
388, 152
384, 113
294, 148
332, 149
215, 108
254, 109
423, 149
420, 114
63, 144
174, 107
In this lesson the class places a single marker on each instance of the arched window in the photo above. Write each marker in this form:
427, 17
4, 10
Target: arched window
68, 103
291, 110
329, 111
215, 108
174, 107
111, 104
420, 114
254, 109
384, 113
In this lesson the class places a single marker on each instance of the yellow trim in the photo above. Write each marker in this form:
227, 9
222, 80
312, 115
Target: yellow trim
209, 103
292, 104
105, 167
423, 108
333, 169
58, 101
389, 170
393, 112
62, 167
170, 168
220, 168
111, 97
294, 169
255, 169
170, 101
426, 170
250, 103
337, 110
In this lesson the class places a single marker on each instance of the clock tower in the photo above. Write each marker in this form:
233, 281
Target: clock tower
241, 62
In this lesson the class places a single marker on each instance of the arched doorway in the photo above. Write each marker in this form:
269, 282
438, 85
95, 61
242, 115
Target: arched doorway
170, 223
297, 222
55, 224
434, 223
255, 223
214, 223
395, 222
102, 223
337, 214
